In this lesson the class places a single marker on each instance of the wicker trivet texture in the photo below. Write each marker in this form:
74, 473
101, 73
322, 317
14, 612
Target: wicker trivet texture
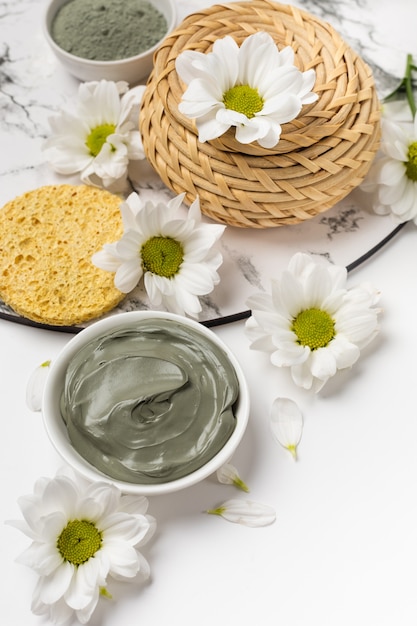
322, 155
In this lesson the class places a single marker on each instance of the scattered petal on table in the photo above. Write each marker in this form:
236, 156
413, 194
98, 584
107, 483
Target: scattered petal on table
245, 512
35, 386
228, 475
286, 424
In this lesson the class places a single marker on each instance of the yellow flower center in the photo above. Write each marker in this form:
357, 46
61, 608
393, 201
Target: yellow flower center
314, 328
411, 165
98, 136
243, 99
162, 256
79, 541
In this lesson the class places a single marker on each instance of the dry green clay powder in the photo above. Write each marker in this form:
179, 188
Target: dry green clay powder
103, 30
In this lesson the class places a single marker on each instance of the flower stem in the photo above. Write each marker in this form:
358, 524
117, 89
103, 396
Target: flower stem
409, 84
406, 85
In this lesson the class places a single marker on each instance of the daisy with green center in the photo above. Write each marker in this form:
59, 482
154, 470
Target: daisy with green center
83, 535
100, 138
393, 177
254, 88
311, 322
173, 254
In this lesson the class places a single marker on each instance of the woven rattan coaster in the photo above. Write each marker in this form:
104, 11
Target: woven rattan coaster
322, 155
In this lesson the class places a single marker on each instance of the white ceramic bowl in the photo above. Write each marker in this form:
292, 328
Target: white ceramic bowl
57, 431
133, 69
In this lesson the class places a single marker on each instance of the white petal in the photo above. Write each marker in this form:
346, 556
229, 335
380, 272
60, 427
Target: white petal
123, 559
344, 352
134, 505
129, 101
35, 386
183, 302
55, 586
85, 585
194, 212
210, 127
106, 259
291, 294
131, 528
407, 204
357, 324
283, 109
257, 55
286, 424
392, 172
257, 129
245, 512
289, 354
196, 279
228, 475
99, 103
185, 65
226, 53
84, 614
58, 612
128, 275
200, 98
60, 496
153, 287
44, 558
301, 375
323, 363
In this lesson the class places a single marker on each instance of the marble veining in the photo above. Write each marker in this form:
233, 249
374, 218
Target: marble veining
33, 86
345, 220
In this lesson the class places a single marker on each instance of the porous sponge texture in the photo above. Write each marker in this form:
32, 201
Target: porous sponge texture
47, 238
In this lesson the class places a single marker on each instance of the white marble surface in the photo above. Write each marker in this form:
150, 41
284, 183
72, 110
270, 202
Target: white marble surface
34, 85
344, 546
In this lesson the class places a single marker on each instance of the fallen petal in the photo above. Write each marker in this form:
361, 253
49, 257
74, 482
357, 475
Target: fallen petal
286, 423
245, 512
228, 475
36, 383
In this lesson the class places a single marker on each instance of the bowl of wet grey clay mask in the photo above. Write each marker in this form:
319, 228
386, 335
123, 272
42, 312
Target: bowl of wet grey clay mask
153, 402
108, 39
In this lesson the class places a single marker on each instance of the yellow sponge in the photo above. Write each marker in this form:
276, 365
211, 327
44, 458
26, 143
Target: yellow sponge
47, 238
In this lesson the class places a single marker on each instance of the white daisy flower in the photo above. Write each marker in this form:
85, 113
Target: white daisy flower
174, 255
311, 322
82, 535
254, 88
393, 177
100, 137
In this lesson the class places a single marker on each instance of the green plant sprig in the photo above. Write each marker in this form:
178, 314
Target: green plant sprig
405, 87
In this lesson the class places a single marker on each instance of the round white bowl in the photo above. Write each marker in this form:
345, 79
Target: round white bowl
57, 431
133, 70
